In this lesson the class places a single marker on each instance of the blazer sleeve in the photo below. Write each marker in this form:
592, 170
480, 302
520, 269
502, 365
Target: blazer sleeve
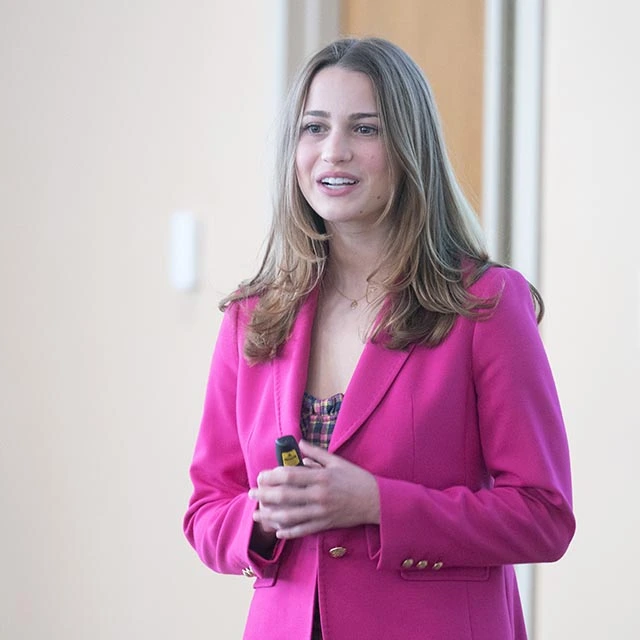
525, 515
219, 521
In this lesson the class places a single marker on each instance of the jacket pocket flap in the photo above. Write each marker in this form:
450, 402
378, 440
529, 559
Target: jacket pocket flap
447, 573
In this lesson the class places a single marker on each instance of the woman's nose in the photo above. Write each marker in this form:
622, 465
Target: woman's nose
336, 148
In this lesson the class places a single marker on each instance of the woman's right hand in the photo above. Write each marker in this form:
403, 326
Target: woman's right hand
329, 492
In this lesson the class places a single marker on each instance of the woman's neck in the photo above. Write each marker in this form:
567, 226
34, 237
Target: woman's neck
353, 256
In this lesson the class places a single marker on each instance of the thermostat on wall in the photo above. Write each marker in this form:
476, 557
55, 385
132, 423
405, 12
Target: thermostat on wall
183, 251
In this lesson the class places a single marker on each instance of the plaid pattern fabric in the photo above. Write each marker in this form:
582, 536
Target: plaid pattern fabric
318, 418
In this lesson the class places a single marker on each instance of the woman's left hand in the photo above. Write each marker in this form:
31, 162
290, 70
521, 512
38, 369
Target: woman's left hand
327, 493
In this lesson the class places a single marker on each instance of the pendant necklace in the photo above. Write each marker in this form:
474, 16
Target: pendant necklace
354, 301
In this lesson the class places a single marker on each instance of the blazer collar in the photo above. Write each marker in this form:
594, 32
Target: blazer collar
375, 372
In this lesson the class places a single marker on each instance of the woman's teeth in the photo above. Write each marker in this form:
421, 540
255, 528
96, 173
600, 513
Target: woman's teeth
337, 182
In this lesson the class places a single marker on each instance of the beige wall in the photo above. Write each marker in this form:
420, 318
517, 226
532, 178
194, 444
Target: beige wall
591, 281
113, 115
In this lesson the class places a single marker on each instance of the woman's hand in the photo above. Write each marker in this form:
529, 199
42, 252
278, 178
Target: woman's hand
327, 493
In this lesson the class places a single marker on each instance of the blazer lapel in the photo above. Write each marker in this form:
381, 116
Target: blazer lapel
375, 372
291, 367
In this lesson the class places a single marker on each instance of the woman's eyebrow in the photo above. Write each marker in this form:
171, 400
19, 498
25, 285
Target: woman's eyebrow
354, 116
362, 115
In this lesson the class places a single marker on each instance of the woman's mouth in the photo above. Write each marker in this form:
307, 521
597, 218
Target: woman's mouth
337, 182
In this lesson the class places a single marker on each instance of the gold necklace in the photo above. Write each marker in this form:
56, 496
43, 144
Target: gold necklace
353, 301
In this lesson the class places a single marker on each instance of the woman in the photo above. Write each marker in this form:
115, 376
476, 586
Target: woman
410, 368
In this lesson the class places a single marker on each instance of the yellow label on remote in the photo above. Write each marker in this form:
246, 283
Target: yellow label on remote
290, 458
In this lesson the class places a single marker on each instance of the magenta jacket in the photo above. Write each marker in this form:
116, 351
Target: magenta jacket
468, 446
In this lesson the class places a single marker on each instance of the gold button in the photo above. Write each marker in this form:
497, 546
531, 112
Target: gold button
337, 552
422, 564
247, 572
437, 566
408, 563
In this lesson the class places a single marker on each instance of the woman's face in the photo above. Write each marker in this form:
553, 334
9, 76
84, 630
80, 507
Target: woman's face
341, 161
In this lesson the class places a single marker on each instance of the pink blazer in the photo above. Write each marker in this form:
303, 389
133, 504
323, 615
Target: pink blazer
468, 446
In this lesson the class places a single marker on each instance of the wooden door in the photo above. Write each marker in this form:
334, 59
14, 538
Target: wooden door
446, 38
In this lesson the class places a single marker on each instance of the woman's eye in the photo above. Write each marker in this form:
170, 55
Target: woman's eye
366, 130
313, 128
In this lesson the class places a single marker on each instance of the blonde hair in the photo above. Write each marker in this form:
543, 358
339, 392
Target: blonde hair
437, 248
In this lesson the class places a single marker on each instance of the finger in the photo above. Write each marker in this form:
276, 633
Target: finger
299, 477
300, 530
289, 518
282, 476
317, 454
274, 476
312, 464
267, 524
281, 495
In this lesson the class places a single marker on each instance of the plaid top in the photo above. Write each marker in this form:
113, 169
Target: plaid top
318, 418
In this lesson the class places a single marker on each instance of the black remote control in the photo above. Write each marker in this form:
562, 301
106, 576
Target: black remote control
287, 452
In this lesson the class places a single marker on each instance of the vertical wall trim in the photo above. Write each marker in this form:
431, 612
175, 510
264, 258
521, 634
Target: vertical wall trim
310, 24
527, 101
491, 129
511, 157
281, 8
322, 23
496, 130
525, 183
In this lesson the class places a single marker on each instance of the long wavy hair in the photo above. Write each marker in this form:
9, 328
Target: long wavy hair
436, 250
